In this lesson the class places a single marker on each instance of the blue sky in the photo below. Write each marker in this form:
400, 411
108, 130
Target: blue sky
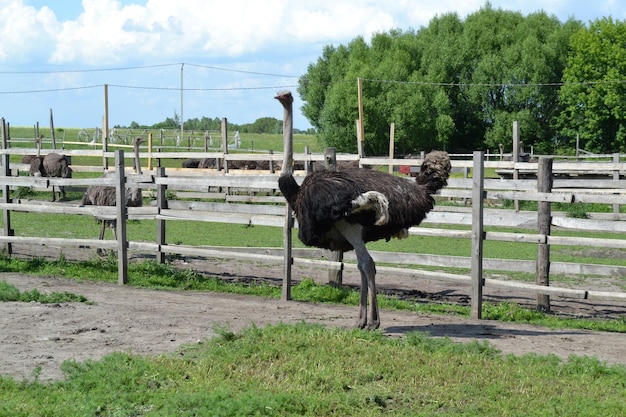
236, 54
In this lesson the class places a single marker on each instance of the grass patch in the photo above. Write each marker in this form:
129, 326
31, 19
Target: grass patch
9, 292
310, 370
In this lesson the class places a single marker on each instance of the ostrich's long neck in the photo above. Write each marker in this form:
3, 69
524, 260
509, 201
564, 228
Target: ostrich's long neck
288, 139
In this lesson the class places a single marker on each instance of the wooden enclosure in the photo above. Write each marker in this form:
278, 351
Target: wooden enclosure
251, 197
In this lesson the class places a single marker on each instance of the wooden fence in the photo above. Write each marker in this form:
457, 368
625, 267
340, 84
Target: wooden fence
233, 192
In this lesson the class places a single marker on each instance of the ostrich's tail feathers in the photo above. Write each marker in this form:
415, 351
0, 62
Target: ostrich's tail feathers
373, 200
289, 187
435, 171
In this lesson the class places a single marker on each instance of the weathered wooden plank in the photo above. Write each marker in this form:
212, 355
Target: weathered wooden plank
587, 241
227, 207
606, 295
569, 268
537, 289
588, 224
200, 195
60, 242
256, 181
236, 218
255, 199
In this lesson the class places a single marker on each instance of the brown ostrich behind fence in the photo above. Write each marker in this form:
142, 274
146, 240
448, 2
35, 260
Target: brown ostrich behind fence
207, 163
35, 163
57, 165
102, 195
191, 163
51, 165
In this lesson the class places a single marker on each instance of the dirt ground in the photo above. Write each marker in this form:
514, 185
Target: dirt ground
148, 322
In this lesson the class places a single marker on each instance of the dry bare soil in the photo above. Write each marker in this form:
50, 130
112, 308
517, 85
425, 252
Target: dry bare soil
37, 338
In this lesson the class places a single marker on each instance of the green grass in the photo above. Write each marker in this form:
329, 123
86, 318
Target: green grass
23, 137
310, 370
9, 292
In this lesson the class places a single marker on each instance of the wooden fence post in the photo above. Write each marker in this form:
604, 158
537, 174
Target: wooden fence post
52, 135
225, 143
544, 219
516, 141
150, 151
160, 223
271, 163
120, 204
6, 189
335, 276
105, 135
616, 179
477, 234
308, 165
392, 135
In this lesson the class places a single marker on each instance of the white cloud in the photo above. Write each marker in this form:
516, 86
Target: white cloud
108, 32
24, 31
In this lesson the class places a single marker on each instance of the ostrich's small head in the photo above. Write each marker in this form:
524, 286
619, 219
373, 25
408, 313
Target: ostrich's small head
284, 97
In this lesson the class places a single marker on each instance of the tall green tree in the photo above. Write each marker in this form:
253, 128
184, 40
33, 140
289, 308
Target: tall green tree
594, 90
454, 85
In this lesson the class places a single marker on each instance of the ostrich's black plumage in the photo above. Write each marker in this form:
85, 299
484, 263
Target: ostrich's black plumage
343, 210
325, 197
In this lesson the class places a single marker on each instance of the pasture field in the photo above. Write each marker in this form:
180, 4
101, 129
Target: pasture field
69, 138
73, 138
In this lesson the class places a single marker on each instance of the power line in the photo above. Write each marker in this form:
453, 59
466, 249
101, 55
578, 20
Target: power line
244, 72
146, 67
203, 89
421, 83
87, 69
52, 90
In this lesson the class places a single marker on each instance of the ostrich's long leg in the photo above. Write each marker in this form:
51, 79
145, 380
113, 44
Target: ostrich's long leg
367, 268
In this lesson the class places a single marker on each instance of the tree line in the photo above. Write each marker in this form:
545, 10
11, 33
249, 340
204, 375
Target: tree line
459, 84
261, 125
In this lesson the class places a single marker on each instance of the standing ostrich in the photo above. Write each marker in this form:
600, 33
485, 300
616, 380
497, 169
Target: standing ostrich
51, 165
102, 195
36, 165
57, 165
342, 210
35, 161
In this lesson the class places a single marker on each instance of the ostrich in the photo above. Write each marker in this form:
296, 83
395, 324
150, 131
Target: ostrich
102, 195
207, 163
51, 165
57, 165
342, 210
199, 163
191, 163
35, 161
